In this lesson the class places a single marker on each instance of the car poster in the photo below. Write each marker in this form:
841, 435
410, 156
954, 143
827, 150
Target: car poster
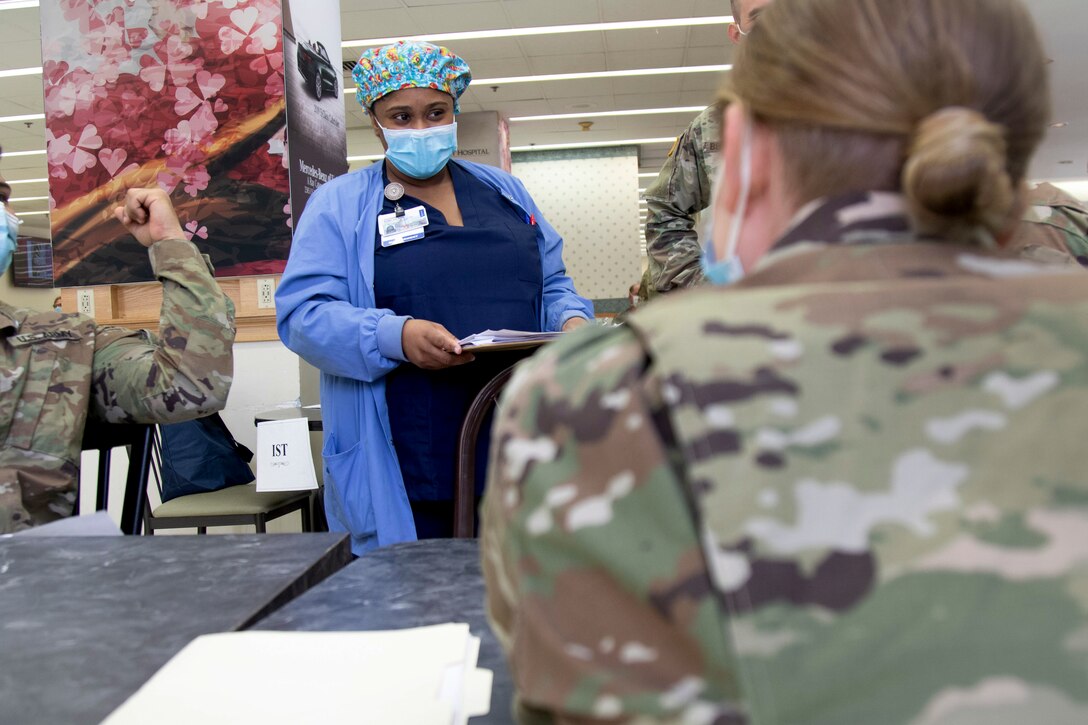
314, 76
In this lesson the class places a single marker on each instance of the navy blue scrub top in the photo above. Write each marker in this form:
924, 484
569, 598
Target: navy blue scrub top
484, 275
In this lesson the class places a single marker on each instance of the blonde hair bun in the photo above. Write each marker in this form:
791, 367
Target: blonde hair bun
955, 175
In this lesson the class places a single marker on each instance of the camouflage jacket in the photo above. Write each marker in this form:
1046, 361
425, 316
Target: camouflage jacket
849, 489
1054, 220
681, 191
59, 371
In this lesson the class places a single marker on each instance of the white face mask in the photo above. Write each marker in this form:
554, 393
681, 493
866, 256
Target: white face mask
727, 236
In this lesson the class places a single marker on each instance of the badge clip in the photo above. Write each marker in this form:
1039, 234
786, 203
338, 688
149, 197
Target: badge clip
394, 192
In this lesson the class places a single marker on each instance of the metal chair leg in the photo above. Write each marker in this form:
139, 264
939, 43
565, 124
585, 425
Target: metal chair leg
201, 529
258, 523
307, 525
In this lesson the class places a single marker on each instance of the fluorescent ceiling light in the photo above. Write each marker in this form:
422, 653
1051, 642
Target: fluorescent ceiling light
650, 175
632, 73
607, 114
29, 198
10, 154
596, 144
13, 72
373, 157
17, 4
13, 182
31, 213
546, 30
27, 117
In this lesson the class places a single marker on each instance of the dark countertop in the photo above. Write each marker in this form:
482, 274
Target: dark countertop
408, 585
84, 622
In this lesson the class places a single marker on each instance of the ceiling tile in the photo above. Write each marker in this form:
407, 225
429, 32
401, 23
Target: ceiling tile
377, 24
665, 99
498, 67
707, 56
548, 45
715, 36
648, 58
615, 10
534, 13
589, 62
455, 17
645, 39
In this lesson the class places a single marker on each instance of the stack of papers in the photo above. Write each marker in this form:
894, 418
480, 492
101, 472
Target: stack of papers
424, 676
507, 340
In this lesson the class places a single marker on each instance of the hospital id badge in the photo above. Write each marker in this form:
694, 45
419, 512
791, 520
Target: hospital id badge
400, 229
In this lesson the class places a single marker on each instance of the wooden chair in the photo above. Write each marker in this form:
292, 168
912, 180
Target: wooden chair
140, 439
231, 506
464, 486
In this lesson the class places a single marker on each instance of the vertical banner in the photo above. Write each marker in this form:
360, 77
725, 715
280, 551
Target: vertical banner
316, 120
188, 96
484, 137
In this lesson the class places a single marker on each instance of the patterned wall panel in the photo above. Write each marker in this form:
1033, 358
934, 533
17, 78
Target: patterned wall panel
591, 197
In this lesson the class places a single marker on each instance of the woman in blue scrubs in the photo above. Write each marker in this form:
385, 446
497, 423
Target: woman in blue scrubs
377, 300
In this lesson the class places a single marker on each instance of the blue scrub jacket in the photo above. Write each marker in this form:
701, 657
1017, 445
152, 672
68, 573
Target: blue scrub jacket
325, 313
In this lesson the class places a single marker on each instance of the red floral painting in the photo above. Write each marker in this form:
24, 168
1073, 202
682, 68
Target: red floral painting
185, 95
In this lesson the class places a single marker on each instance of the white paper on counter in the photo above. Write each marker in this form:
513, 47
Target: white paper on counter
285, 678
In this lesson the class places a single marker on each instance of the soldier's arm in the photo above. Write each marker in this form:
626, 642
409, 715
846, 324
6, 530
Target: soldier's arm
183, 373
681, 191
596, 585
1055, 220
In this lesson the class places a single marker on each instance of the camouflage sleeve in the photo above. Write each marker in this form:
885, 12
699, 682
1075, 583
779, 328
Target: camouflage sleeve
597, 587
681, 191
1053, 220
186, 371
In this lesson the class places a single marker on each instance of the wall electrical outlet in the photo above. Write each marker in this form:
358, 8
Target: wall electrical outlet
85, 302
266, 293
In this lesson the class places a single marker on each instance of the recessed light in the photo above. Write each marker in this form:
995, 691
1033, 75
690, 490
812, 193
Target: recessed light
1059, 124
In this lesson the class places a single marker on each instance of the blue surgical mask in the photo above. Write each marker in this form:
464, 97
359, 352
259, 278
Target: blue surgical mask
721, 273
420, 153
729, 270
9, 232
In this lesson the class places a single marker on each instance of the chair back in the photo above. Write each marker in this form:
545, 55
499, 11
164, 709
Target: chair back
464, 486
104, 437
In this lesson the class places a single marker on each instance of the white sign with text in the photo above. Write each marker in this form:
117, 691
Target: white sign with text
284, 461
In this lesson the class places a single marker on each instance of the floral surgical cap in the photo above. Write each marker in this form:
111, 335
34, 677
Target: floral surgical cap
382, 71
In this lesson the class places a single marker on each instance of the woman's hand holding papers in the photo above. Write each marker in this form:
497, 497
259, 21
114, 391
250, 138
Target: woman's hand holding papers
430, 346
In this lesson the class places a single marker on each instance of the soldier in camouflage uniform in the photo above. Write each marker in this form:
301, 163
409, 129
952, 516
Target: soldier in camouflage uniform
682, 190
848, 489
60, 372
